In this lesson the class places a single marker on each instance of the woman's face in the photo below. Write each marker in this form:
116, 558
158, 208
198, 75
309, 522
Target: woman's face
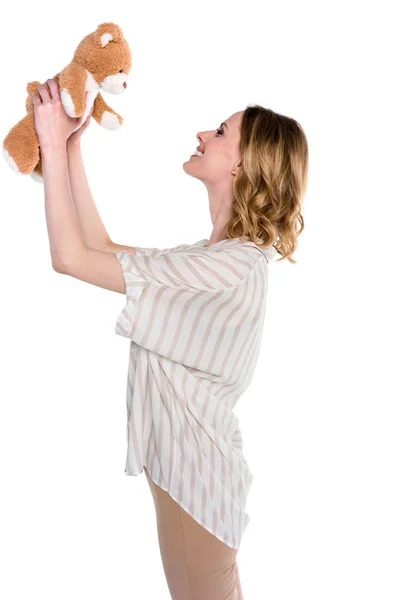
220, 149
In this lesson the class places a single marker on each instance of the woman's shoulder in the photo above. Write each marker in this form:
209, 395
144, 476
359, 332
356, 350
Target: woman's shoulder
232, 246
156, 252
239, 246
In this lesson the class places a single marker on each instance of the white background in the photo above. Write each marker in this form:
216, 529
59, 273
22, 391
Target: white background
320, 420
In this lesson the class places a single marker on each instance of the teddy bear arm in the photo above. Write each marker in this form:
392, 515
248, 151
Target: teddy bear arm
105, 115
72, 84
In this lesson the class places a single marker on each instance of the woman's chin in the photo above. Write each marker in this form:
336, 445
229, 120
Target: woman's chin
188, 168
189, 162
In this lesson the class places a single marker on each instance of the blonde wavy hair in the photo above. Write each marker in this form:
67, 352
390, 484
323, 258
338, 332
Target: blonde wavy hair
270, 185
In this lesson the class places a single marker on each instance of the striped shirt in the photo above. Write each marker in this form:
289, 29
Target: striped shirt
194, 314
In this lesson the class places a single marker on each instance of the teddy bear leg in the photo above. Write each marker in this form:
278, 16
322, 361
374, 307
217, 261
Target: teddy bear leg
36, 177
21, 146
9, 160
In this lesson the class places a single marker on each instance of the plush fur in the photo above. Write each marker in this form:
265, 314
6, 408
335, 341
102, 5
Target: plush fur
102, 60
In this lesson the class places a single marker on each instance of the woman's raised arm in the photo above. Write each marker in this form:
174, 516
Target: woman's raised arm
97, 267
94, 232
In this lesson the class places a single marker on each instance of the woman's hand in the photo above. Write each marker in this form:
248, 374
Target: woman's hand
74, 138
53, 125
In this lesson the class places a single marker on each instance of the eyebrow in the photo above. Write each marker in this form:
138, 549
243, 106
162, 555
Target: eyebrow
224, 124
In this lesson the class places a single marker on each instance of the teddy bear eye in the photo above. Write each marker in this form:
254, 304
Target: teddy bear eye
121, 70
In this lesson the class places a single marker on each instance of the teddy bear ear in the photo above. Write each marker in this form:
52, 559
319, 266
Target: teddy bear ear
107, 32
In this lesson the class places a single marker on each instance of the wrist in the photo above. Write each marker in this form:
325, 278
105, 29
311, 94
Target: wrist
73, 144
52, 147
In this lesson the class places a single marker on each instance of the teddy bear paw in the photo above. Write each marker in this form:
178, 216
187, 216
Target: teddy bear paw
69, 106
110, 120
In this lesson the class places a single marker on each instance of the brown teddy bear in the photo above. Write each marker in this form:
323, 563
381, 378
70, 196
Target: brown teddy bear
102, 60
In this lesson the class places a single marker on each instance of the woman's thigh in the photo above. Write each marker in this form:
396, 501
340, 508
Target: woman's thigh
197, 565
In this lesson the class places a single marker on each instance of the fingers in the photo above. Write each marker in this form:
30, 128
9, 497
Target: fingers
87, 120
89, 117
55, 91
44, 94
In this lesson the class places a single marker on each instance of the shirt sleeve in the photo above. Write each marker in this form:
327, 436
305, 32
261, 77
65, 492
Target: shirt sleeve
155, 252
179, 300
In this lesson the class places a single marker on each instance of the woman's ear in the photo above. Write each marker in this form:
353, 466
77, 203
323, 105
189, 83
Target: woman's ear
236, 167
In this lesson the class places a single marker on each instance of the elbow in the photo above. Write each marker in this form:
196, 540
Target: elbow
58, 267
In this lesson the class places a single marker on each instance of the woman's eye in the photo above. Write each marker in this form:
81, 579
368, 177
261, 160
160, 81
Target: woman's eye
220, 131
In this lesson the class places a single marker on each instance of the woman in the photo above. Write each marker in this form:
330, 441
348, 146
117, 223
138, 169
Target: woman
194, 314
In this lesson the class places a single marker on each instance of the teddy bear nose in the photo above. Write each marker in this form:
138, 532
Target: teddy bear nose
125, 84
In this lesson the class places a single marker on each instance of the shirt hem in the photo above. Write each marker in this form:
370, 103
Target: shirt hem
230, 544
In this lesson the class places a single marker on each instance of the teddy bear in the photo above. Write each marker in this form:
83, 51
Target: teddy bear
101, 61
